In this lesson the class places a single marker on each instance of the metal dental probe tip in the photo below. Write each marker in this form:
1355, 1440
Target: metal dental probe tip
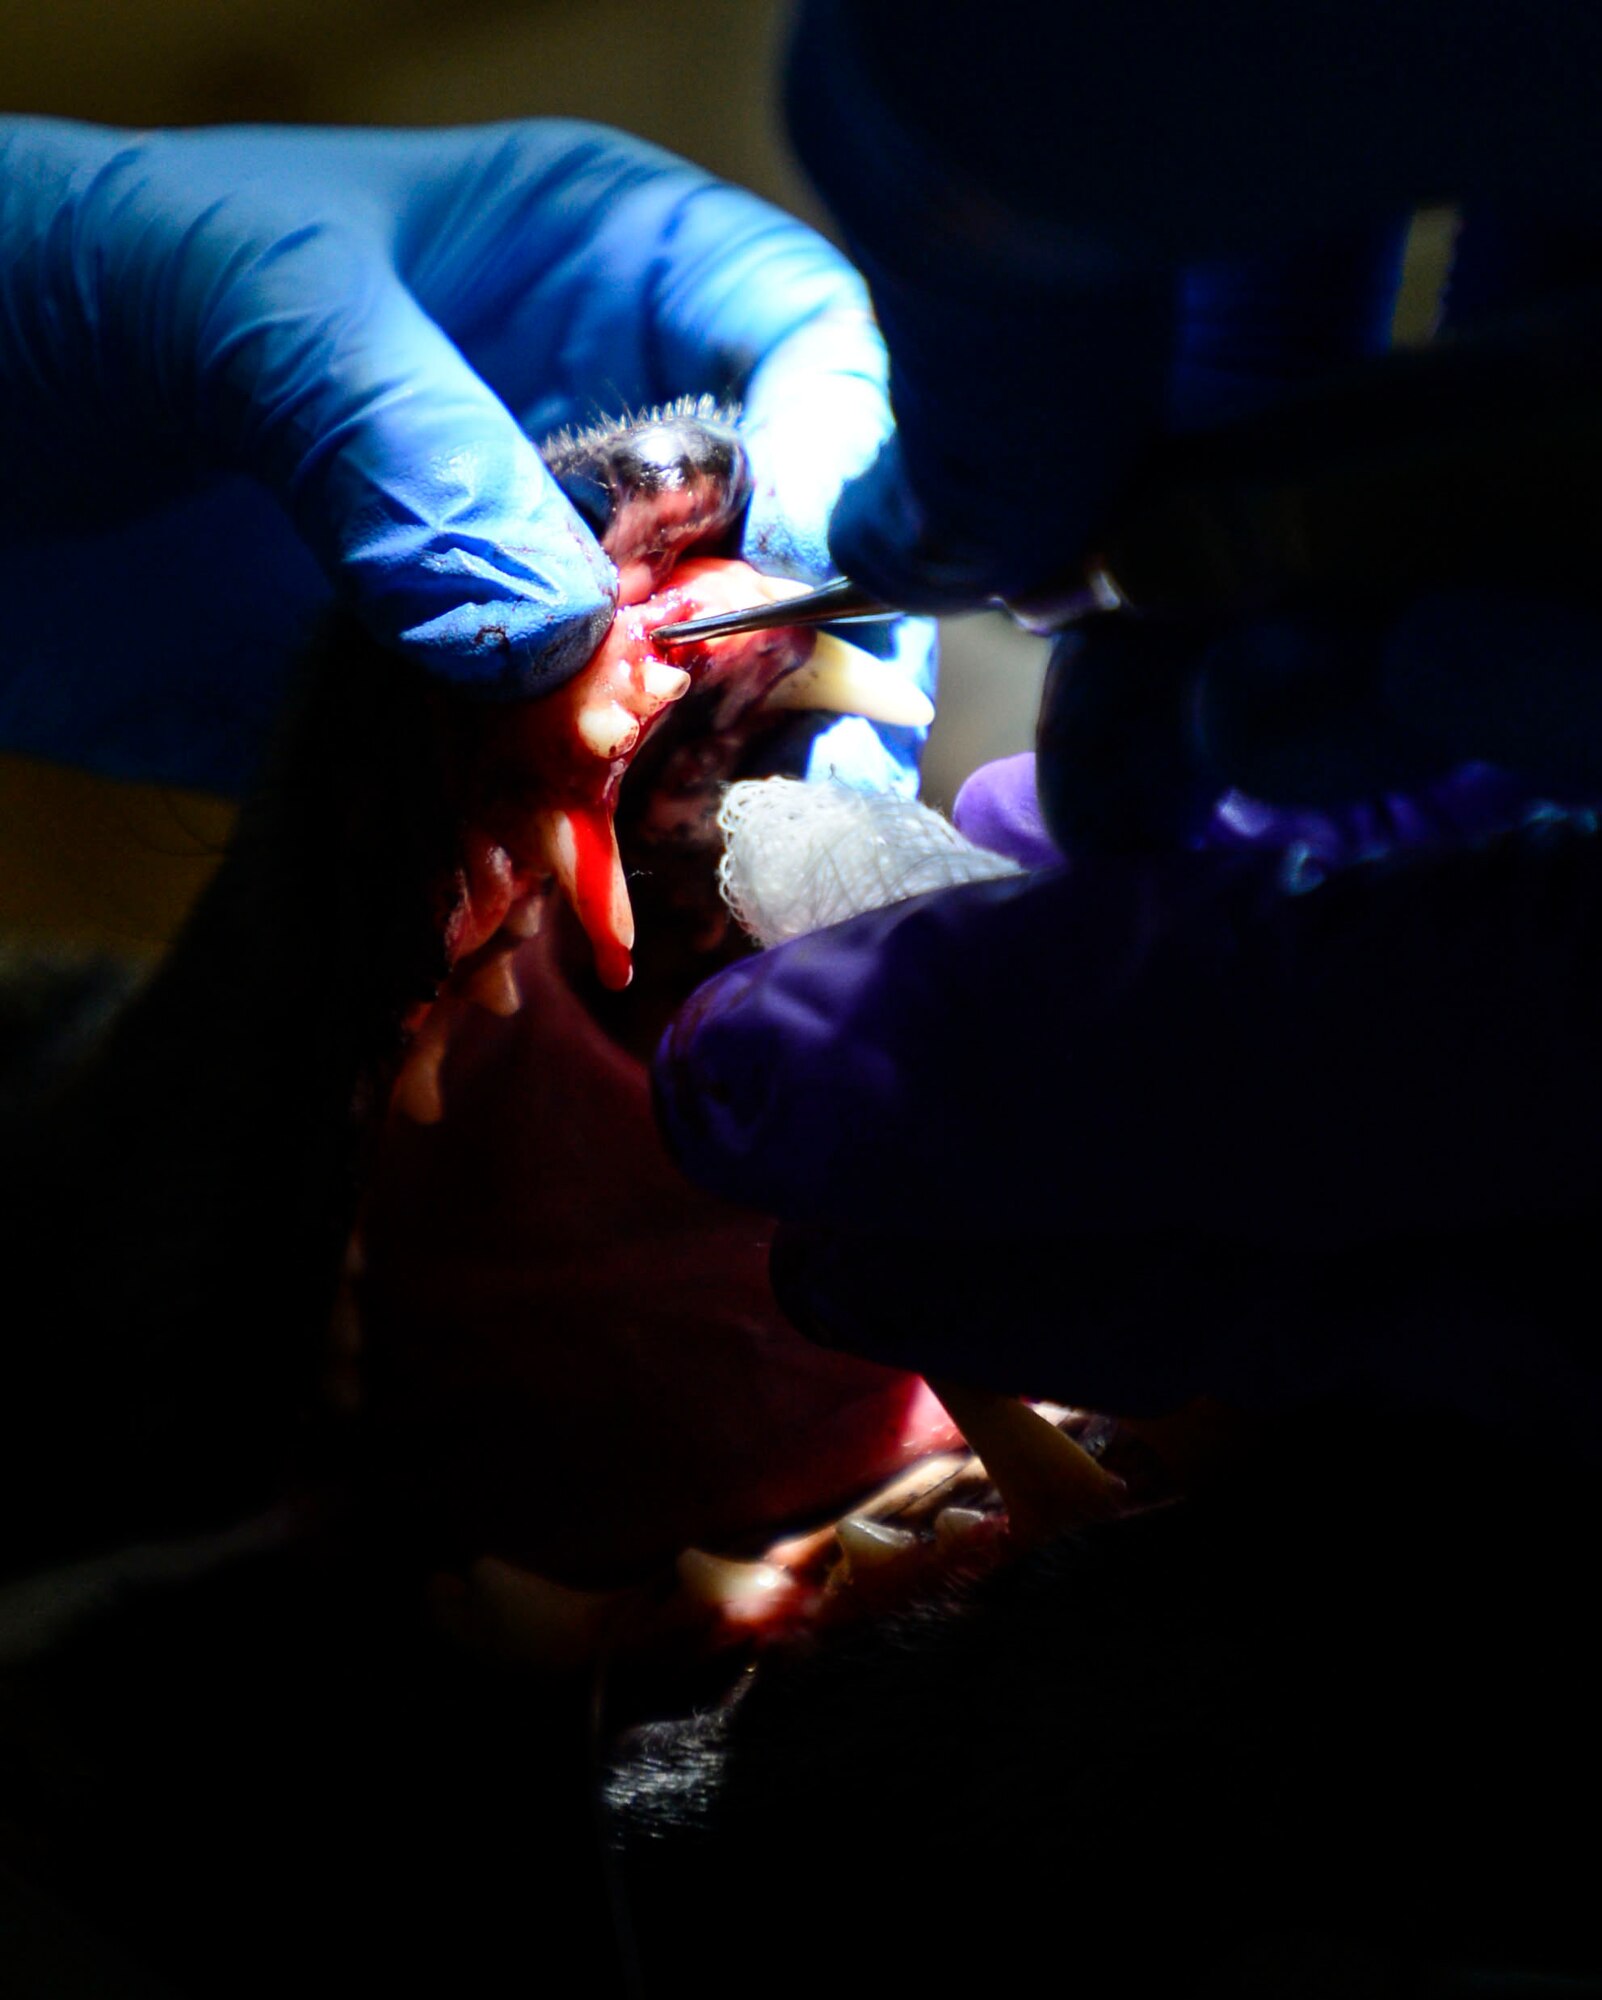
835, 603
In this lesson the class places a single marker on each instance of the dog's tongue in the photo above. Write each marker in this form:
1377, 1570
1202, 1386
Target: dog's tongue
576, 1359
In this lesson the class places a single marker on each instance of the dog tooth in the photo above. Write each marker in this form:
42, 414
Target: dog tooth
662, 683
1048, 1482
842, 679
869, 1544
956, 1527
609, 919
580, 843
559, 844
494, 986
725, 1585
525, 918
607, 729
418, 1094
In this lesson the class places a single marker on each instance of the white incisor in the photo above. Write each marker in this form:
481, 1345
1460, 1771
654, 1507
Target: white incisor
799, 856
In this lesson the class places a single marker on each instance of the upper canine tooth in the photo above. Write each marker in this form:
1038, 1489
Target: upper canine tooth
579, 843
1048, 1482
844, 680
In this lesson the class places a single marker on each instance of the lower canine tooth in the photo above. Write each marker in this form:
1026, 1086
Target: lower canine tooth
725, 1585
844, 680
494, 986
524, 919
417, 1091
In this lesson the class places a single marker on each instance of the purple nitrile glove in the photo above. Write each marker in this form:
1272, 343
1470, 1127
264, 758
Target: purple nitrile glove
1132, 1129
242, 368
999, 807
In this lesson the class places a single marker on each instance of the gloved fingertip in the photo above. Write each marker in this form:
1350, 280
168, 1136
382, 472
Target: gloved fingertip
815, 413
408, 475
998, 807
882, 537
494, 583
505, 640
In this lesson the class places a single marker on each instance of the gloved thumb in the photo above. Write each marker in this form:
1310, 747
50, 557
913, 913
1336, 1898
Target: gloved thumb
401, 467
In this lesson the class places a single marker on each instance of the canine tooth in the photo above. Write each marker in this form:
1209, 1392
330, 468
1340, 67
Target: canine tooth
725, 1585
581, 845
869, 1544
560, 844
844, 680
494, 986
418, 1093
1048, 1482
608, 730
525, 918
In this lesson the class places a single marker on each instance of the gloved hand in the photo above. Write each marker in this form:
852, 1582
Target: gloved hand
1258, 1103
236, 366
1157, 222
1265, 1120
1146, 723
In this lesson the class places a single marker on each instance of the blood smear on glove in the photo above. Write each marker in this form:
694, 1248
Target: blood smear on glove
800, 856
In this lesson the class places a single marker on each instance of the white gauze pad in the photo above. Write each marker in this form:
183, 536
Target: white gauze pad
799, 856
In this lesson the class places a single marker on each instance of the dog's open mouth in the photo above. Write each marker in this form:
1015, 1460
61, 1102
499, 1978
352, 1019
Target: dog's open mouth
573, 1358
586, 1397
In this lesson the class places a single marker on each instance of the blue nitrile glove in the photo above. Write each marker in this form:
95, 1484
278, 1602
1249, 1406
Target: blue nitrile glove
237, 364
1266, 1120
